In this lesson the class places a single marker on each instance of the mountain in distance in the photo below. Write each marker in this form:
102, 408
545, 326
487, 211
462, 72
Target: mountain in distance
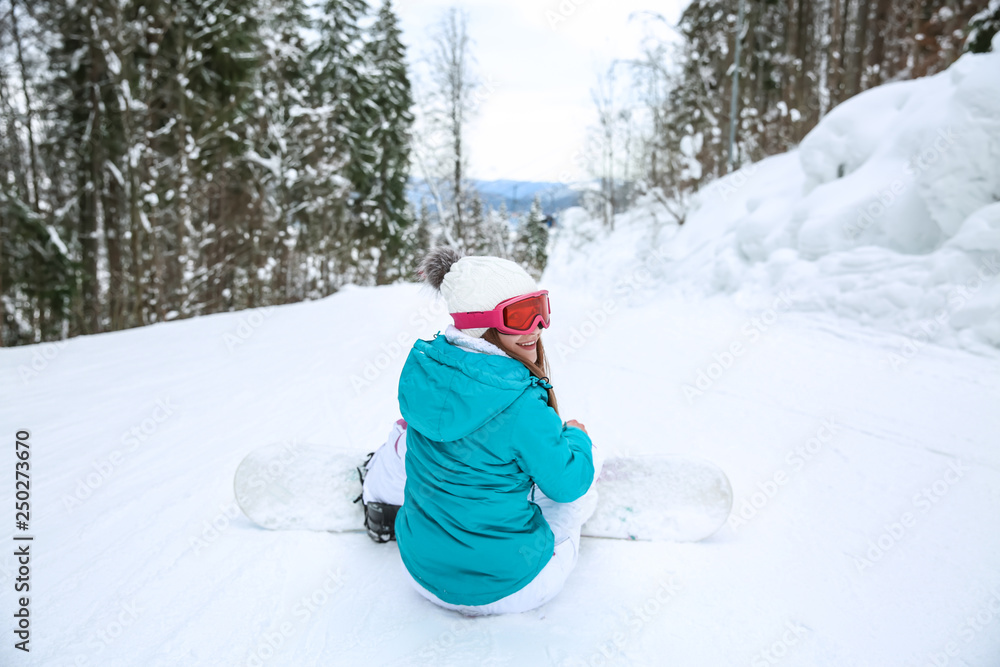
518, 195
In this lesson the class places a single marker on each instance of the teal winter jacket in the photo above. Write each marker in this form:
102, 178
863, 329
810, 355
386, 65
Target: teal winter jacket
479, 433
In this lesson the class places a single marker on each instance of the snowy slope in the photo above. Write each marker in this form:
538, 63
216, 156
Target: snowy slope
141, 558
888, 213
867, 479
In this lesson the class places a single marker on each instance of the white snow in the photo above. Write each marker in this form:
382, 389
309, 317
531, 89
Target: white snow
56, 240
886, 214
272, 164
849, 389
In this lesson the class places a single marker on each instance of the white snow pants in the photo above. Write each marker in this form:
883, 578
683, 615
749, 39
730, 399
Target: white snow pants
384, 482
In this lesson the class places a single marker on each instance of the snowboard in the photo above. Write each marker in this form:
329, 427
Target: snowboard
299, 486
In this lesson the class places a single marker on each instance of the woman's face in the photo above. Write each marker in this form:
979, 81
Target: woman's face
523, 347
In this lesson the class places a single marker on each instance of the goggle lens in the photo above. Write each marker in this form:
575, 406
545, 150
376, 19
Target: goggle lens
521, 315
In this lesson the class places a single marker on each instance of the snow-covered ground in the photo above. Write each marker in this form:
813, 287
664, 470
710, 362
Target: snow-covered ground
863, 455
887, 214
866, 529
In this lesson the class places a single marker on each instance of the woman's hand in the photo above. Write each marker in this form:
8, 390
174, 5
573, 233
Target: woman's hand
573, 422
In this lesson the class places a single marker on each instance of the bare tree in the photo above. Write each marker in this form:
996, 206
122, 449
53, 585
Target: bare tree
604, 99
454, 83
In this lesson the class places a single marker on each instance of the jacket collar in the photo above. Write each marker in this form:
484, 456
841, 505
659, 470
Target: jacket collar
459, 338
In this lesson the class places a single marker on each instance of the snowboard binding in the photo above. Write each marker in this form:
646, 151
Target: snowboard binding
380, 518
380, 521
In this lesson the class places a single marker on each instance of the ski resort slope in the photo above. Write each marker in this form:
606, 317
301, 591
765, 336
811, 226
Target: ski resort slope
824, 327
865, 529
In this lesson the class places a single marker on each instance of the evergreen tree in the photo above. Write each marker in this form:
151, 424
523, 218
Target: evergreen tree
182, 158
417, 240
497, 230
798, 60
699, 101
282, 94
982, 27
531, 247
220, 213
383, 169
36, 274
474, 214
334, 136
86, 148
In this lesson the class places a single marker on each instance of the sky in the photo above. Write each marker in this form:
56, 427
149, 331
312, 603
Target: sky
538, 61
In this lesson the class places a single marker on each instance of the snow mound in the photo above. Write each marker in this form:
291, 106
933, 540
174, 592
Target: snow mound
886, 214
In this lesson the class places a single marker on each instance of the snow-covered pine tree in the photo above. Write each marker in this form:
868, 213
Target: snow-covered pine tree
474, 215
531, 246
497, 230
281, 95
332, 137
484, 234
699, 103
799, 60
982, 27
190, 66
36, 276
85, 151
769, 74
417, 240
384, 171
224, 206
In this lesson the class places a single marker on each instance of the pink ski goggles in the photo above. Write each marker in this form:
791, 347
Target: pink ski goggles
519, 315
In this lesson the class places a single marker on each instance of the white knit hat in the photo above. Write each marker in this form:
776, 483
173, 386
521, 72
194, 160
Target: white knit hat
475, 283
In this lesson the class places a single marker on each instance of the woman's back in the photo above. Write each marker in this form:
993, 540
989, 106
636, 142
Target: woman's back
480, 433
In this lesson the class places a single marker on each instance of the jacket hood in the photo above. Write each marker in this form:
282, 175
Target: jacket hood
446, 392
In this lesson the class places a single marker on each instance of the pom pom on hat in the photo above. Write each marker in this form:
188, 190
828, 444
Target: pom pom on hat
474, 283
436, 264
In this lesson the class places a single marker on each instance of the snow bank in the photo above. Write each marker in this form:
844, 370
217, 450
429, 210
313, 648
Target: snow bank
888, 214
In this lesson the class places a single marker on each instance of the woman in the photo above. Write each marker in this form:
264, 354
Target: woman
493, 487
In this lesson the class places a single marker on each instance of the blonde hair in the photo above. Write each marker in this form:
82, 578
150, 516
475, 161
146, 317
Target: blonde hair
540, 369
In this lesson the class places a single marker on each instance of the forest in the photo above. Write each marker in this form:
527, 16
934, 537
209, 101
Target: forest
167, 160
684, 115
